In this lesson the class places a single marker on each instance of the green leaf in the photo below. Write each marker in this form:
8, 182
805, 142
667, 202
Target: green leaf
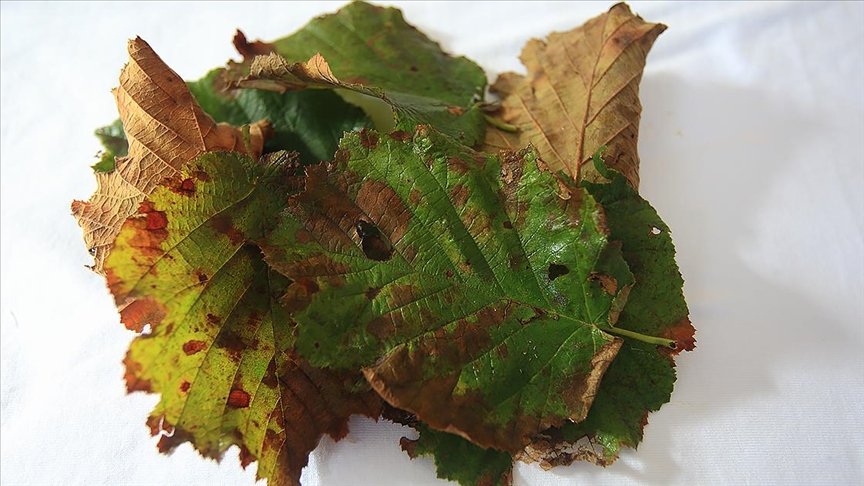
219, 350
480, 302
309, 122
459, 460
373, 51
114, 140
641, 378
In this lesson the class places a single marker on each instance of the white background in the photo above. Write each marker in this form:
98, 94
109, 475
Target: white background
752, 148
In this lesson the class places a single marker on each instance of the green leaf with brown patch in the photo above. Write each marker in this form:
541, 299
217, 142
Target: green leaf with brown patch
310, 122
219, 349
374, 52
471, 293
641, 378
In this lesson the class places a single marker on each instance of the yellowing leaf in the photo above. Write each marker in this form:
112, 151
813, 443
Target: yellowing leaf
220, 350
165, 128
581, 92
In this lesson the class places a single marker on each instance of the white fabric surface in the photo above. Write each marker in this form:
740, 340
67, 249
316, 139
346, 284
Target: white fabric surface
752, 148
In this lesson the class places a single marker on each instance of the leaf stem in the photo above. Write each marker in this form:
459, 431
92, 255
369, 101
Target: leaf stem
669, 343
500, 124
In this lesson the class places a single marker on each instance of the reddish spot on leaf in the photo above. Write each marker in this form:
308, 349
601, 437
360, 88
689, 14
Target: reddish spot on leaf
683, 333
193, 346
457, 165
132, 377
156, 220
202, 277
400, 135
142, 312
368, 139
187, 187
246, 457
238, 399
409, 446
184, 387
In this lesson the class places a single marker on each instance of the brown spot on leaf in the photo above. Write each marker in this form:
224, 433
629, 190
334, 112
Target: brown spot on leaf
385, 209
142, 312
184, 387
133, 379
202, 277
449, 273
187, 187
238, 399
508, 225
246, 457
193, 346
213, 319
400, 135
372, 292
455, 110
684, 335
269, 379
302, 236
609, 283
415, 197
458, 165
459, 195
409, 446
224, 224
368, 138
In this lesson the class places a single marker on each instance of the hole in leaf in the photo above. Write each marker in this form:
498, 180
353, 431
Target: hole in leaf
655, 230
375, 247
556, 270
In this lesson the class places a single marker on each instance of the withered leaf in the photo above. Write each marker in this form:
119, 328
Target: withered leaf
581, 92
462, 324
220, 347
165, 128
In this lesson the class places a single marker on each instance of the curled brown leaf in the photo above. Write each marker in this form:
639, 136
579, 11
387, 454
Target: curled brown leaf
166, 128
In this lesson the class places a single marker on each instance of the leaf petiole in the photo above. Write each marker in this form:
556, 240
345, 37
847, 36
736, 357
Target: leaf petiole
500, 124
669, 343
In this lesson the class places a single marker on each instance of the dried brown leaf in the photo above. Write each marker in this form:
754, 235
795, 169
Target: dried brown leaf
581, 92
166, 128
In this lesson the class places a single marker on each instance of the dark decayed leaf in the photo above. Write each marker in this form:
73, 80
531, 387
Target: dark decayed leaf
489, 316
640, 379
373, 51
219, 349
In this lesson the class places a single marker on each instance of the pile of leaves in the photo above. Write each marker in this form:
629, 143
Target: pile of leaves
483, 271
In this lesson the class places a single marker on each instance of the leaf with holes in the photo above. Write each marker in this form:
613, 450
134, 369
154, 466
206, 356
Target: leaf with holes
471, 294
581, 92
640, 379
220, 348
